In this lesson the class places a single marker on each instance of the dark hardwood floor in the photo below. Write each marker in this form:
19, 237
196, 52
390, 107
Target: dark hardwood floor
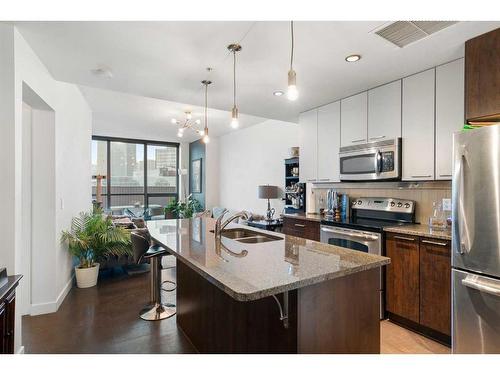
105, 319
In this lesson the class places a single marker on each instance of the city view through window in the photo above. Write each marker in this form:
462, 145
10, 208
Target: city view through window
138, 174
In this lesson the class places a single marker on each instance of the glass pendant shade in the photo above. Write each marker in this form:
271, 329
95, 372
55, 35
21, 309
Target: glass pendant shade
292, 93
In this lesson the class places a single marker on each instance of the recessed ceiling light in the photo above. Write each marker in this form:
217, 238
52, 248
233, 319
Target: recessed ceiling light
278, 93
352, 58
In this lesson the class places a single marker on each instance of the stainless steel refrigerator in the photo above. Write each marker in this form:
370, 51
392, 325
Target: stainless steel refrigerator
476, 241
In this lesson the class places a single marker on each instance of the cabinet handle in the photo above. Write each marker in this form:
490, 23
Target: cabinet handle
311, 180
358, 140
378, 137
445, 175
300, 225
404, 238
434, 243
324, 179
422, 176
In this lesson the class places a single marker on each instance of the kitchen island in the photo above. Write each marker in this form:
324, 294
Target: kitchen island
282, 295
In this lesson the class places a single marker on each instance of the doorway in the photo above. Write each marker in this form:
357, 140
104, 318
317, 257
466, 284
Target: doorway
38, 236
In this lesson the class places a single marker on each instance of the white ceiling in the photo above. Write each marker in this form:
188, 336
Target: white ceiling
167, 60
133, 116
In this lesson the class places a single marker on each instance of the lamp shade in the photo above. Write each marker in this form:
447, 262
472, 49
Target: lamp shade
268, 192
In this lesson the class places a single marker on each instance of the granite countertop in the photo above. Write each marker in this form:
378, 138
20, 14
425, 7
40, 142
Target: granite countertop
420, 230
268, 268
305, 216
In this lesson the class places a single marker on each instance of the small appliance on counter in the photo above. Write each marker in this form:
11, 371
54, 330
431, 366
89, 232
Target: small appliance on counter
295, 198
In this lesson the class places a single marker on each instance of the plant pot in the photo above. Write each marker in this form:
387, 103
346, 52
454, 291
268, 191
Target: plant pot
86, 277
169, 215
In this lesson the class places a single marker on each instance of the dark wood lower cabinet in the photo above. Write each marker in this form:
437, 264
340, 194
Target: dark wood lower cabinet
301, 228
435, 285
402, 276
7, 314
418, 284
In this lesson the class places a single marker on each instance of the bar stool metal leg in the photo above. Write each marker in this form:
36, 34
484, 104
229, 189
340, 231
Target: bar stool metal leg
158, 311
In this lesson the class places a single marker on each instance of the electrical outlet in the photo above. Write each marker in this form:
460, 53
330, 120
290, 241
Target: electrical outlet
446, 204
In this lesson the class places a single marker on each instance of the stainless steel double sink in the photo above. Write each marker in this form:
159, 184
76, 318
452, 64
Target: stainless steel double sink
248, 236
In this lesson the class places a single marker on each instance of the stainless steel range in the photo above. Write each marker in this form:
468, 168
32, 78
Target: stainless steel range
364, 229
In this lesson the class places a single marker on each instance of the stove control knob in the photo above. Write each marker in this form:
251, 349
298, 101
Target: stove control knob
393, 204
407, 205
354, 203
360, 201
400, 204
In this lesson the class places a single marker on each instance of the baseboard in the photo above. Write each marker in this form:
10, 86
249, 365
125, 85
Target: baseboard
43, 308
52, 307
64, 292
20, 350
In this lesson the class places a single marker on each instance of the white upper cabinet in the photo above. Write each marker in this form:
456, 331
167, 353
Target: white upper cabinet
354, 119
308, 133
328, 142
418, 126
384, 112
449, 113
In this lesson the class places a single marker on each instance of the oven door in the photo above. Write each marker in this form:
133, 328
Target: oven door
372, 161
368, 242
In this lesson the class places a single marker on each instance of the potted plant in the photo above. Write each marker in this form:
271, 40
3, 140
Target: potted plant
171, 210
92, 237
182, 209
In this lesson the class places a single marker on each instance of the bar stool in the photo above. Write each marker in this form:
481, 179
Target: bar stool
156, 310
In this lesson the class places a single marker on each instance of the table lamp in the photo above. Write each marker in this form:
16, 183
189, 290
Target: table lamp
268, 192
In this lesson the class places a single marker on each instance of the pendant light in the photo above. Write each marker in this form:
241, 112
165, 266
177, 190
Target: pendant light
235, 47
206, 138
292, 93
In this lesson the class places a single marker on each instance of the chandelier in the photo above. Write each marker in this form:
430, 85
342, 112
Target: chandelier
188, 123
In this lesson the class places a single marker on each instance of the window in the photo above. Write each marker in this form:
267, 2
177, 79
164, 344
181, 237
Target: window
138, 173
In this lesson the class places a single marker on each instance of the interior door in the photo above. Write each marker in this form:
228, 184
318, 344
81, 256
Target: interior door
476, 313
476, 201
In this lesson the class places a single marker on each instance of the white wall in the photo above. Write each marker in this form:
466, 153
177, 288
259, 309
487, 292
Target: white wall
7, 147
212, 168
251, 157
43, 214
71, 139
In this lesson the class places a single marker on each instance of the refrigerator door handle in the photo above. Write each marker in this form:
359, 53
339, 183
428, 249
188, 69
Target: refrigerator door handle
482, 284
462, 244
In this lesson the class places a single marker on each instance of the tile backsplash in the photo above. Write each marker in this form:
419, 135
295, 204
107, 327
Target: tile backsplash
423, 193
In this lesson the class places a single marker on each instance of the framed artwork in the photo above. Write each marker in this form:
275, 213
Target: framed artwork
196, 176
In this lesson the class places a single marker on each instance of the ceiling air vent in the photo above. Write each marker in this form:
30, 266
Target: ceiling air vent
402, 33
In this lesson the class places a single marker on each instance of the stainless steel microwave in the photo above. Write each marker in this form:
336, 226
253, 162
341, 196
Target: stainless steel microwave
371, 161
